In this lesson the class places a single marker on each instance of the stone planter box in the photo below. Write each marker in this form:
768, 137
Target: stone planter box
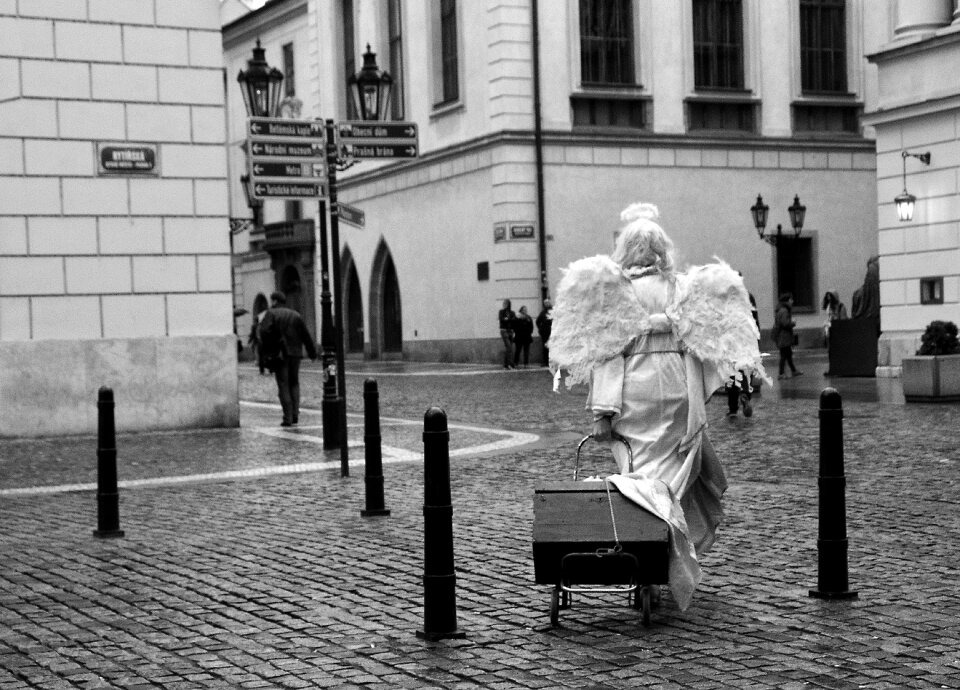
934, 378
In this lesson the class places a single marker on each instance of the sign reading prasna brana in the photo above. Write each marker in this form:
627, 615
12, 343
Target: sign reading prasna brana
127, 158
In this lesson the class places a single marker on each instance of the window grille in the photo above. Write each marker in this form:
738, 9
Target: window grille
606, 42
823, 51
718, 44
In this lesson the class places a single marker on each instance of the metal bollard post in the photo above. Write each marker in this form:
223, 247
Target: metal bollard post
373, 472
439, 578
832, 541
108, 500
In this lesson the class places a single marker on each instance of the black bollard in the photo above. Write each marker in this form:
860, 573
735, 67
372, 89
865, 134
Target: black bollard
108, 500
373, 461
439, 578
832, 542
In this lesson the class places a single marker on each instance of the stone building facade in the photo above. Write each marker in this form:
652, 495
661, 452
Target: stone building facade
524, 164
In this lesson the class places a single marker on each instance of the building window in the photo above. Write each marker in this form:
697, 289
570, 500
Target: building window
449, 63
795, 271
717, 44
931, 290
597, 111
483, 270
737, 116
395, 42
823, 46
289, 88
349, 58
606, 43
833, 118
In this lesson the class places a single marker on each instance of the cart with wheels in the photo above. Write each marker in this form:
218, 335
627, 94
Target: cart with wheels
589, 539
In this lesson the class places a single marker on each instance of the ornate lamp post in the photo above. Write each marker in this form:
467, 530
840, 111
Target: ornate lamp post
371, 94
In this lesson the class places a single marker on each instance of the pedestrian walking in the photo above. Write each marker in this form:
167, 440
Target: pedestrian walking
618, 321
506, 318
544, 328
522, 337
783, 335
835, 310
283, 338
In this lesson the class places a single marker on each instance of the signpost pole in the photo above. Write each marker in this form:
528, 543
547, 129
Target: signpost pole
332, 160
331, 403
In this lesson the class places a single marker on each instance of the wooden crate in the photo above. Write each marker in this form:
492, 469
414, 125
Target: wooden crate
574, 517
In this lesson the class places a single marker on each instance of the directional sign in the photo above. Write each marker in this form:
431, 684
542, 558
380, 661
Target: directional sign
286, 149
350, 214
405, 132
280, 127
285, 169
287, 190
381, 150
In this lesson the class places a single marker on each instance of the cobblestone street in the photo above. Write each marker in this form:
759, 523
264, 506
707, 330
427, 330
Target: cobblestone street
246, 562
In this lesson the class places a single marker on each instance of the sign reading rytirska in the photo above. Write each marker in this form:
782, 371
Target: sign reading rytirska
127, 159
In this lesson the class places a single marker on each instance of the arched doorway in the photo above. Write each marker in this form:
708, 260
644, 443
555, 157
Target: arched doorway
386, 315
353, 310
392, 325
290, 286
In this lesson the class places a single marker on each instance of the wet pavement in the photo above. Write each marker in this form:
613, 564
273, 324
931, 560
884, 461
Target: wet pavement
246, 562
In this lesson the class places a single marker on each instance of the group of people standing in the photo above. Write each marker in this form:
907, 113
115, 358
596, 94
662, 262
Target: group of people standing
516, 333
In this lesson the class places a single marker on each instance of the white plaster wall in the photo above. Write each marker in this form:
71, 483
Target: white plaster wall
88, 260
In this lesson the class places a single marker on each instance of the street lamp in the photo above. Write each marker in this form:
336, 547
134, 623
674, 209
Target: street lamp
760, 212
371, 89
371, 96
260, 85
905, 200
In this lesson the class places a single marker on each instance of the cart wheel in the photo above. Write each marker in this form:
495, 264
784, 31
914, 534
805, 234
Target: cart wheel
555, 607
645, 595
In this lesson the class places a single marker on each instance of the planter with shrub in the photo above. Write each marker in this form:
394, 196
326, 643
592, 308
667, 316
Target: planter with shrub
933, 374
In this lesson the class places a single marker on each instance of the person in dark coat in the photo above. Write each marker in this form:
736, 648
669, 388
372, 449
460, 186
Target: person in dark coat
506, 317
544, 328
522, 337
783, 335
283, 337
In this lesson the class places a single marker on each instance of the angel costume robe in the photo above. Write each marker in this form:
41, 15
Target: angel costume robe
656, 387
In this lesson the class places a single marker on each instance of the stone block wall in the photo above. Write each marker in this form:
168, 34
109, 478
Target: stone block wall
93, 261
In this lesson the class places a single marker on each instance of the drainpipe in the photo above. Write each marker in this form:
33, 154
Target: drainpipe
538, 146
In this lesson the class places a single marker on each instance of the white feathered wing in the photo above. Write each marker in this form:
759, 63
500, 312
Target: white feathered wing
595, 315
711, 315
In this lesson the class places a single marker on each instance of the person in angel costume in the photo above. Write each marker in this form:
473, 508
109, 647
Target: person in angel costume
654, 344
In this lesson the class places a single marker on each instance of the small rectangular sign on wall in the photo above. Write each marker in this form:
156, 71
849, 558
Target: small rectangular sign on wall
125, 158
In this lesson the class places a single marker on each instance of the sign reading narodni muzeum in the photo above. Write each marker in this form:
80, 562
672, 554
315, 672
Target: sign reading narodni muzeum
125, 158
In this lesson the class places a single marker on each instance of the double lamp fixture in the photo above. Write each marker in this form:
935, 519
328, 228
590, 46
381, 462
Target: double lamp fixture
760, 212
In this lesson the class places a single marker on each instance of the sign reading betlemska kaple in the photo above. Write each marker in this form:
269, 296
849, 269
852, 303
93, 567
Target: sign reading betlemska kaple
127, 159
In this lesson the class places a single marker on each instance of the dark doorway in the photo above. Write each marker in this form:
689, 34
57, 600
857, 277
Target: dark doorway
354, 323
392, 326
290, 286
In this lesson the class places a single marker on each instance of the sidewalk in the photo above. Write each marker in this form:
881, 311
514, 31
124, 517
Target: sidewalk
274, 580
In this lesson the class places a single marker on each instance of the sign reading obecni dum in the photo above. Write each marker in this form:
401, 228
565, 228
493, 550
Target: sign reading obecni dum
125, 158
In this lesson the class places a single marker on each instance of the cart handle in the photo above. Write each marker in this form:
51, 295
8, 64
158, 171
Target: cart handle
617, 437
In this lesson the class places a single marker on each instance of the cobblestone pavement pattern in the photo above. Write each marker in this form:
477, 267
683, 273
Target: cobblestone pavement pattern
276, 581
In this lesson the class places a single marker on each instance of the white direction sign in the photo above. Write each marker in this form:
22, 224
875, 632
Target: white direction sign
281, 127
363, 139
287, 158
